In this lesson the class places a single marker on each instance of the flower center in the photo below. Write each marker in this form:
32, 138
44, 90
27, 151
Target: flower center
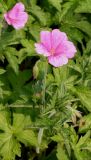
52, 51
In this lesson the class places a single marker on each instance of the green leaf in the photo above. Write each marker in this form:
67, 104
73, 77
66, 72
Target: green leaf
82, 146
2, 71
76, 67
27, 137
10, 55
38, 13
85, 124
27, 51
3, 6
60, 74
61, 154
77, 154
73, 136
20, 129
20, 122
73, 33
66, 7
57, 138
9, 38
35, 31
85, 26
9, 147
88, 47
84, 7
4, 120
33, 2
83, 140
55, 4
12, 135
17, 81
85, 96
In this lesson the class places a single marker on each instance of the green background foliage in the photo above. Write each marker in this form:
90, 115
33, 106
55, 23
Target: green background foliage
45, 112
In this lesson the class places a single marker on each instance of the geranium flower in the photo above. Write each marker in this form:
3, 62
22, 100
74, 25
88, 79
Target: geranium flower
16, 16
56, 47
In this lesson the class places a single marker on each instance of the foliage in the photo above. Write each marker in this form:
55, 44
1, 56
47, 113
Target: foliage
45, 111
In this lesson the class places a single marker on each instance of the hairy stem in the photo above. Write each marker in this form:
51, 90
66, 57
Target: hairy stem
44, 86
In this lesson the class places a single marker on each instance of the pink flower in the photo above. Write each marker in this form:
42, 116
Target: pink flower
56, 47
16, 16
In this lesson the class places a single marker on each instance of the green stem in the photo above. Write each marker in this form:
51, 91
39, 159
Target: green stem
44, 85
0, 29
40, 135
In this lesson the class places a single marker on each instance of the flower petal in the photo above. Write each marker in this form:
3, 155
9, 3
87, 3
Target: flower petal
70, 50
19, 6
45, 37
58, 61
58, 38
20, 21
40, 49
16, 16
16, 10
61, 49
7, 18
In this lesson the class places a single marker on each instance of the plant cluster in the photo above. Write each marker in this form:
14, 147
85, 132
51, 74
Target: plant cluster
45, 110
